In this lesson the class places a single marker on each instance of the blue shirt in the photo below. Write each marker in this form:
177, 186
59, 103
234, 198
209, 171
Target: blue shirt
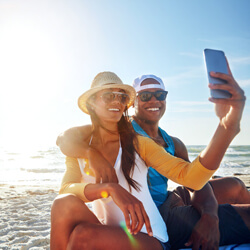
157, 183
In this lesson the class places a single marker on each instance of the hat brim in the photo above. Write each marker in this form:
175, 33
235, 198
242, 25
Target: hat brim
82, 100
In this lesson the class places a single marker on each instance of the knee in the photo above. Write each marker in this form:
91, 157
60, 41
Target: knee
64, 207
84, 236
238, 190
239, 185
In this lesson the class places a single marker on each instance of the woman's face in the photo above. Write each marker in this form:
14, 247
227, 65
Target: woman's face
109, 104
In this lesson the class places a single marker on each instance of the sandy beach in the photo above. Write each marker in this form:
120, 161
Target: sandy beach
25, 216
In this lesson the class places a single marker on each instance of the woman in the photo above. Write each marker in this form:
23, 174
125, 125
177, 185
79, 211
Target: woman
75, 226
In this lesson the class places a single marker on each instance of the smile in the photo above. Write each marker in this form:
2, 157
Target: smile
153, 109
114, 109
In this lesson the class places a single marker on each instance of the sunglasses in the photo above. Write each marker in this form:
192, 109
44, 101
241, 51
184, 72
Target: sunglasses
109, 97
146, 96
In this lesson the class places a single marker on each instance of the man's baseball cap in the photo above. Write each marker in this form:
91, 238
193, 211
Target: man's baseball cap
138, 81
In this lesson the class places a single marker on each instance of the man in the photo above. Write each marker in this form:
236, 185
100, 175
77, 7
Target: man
146, 122
150, 106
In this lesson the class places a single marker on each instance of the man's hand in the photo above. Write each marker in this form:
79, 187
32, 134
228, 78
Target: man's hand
228, 110
206, 233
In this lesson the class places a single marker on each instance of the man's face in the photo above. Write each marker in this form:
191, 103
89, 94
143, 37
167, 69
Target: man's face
151, 111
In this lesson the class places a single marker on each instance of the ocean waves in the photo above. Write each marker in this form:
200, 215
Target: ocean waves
42, 167
46, 167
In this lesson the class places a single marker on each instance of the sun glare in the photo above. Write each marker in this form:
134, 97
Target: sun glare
29, 78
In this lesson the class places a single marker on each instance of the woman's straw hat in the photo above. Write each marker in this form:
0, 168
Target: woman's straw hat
105, 80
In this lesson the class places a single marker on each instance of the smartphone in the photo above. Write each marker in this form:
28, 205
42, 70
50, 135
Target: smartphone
215, 60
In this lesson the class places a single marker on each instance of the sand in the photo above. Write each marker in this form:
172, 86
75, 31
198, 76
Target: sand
25, 216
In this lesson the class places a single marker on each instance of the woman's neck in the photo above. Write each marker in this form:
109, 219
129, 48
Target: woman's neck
105, 135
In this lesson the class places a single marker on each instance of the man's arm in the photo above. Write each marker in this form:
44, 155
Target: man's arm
180, 149
74, 142
206, 231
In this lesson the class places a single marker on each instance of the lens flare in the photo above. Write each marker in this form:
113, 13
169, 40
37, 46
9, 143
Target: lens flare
104, 194
132, 239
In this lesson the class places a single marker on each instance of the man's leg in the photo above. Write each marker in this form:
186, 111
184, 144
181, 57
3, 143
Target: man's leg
244, 211
180, 221
230, 190
234, 224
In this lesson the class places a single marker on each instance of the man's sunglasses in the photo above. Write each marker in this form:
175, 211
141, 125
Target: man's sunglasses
146, 96
109, 97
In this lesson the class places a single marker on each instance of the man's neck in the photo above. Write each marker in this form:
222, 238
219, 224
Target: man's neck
151, 128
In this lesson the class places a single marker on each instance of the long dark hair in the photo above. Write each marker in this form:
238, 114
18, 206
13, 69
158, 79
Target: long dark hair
129, 142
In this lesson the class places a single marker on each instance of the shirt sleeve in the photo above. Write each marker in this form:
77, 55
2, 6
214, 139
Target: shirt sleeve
72, 181
193, 175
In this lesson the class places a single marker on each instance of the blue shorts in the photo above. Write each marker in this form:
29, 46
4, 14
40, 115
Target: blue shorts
180, 221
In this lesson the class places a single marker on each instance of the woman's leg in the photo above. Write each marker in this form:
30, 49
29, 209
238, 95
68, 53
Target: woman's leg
74, 226
230, 190
66, 213
97, 236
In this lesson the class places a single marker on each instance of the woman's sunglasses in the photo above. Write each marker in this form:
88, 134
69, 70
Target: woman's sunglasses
146, 96
109, 97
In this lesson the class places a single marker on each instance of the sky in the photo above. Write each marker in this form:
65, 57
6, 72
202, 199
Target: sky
50, 51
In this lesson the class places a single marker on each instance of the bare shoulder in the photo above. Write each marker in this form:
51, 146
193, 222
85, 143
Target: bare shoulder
180, 149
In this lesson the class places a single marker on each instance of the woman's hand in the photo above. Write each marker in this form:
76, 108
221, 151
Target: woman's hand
104, 172
133, 209
229, 110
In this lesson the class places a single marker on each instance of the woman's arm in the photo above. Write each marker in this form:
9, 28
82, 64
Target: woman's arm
133, 209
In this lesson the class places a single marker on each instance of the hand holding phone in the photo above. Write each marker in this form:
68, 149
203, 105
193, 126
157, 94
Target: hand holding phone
215, 60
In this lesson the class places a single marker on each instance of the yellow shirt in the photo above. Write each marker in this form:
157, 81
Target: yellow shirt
193, 175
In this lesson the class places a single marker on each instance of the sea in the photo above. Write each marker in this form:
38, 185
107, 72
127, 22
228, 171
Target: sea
44, 168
